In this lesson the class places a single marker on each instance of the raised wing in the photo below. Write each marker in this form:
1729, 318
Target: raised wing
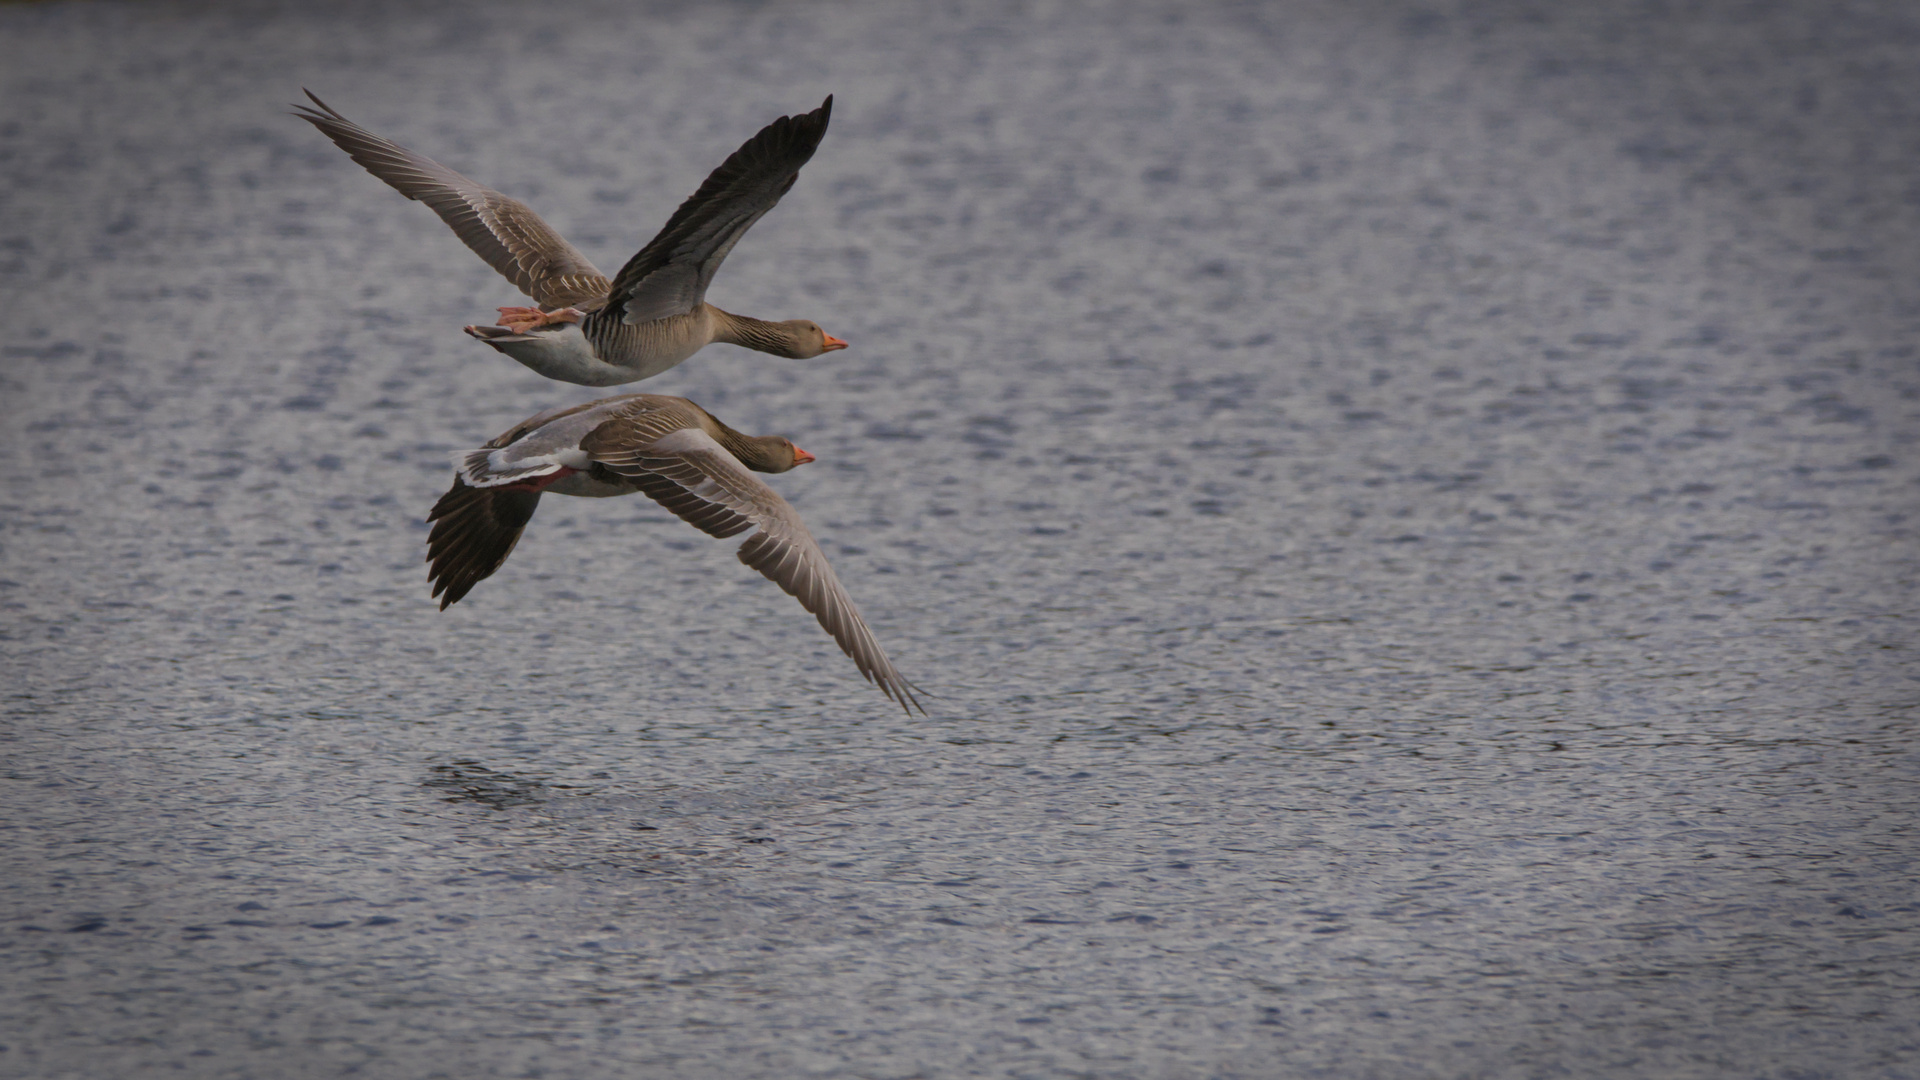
502, 230
670, 275
691, 474
474, 530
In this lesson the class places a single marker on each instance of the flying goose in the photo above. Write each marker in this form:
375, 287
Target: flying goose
673, 451
653, 314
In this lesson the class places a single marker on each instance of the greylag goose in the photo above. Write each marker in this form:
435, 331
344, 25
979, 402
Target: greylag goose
673, 451
653, 314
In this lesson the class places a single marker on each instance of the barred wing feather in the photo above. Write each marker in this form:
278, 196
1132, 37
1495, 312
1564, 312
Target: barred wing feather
500, 229
709, 488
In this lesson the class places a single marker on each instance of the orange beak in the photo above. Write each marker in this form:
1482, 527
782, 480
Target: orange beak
801, 457
834, 343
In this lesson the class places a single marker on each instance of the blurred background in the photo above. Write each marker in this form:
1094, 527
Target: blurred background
1405, 511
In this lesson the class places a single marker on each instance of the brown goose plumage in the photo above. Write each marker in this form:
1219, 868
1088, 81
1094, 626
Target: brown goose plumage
653, 314
677, 454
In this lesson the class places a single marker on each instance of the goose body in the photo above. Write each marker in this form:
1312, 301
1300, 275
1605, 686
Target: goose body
653, 314
672, 451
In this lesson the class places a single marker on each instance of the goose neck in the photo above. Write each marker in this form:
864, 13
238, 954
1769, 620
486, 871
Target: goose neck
749, 332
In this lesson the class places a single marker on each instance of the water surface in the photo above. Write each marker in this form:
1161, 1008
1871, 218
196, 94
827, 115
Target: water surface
1407, 513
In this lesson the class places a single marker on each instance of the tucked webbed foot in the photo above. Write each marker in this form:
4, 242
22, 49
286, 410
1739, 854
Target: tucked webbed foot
522, 319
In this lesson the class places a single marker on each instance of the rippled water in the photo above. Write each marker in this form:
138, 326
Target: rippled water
1407, 511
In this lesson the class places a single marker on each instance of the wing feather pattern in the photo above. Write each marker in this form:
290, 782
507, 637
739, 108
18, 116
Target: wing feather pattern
501, 230
670, 275
474, 530
704, 485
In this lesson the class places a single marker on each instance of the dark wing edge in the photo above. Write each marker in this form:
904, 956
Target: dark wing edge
474, 530
502, 230
669, 276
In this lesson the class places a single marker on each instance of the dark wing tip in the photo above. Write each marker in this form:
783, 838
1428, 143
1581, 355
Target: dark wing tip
797, 134
901, 689
307, 113
907, 694
816, 121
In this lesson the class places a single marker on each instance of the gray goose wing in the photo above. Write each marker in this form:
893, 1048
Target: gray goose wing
502, 230
474, 530
670, 275
691, 474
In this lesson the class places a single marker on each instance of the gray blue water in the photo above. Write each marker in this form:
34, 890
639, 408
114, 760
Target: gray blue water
1407, 511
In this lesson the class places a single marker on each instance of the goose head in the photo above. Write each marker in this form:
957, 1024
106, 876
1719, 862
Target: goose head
772, 454
802, 339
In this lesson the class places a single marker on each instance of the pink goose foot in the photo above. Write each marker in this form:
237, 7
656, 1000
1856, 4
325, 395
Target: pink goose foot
522, 319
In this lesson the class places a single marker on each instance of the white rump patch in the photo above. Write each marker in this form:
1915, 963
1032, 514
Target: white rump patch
480, 469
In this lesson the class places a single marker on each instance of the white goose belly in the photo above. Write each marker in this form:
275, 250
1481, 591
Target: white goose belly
564, 352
